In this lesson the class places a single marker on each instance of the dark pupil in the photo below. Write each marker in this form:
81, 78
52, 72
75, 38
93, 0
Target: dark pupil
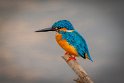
59, 27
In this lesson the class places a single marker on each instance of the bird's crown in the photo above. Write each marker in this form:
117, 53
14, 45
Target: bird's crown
63, 24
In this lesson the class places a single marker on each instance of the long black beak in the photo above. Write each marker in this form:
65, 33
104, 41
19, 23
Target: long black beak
46, 30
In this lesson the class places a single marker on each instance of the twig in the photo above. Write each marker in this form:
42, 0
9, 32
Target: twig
83, 77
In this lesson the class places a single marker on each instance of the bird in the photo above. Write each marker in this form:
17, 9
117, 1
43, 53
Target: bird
69, 39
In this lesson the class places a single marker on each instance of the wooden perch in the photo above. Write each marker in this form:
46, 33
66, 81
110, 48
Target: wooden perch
83, 77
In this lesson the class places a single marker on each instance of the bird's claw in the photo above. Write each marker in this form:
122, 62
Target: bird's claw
71, 58
66, 53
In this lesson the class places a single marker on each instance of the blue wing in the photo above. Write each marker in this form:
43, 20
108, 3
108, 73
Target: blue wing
76, 40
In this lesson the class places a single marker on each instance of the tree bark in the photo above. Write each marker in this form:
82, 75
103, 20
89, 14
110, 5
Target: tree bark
83, 77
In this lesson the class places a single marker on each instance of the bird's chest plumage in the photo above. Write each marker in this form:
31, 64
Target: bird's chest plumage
65, 45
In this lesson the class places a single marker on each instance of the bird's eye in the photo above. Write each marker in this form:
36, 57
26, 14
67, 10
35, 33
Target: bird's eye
56, 28
59, 27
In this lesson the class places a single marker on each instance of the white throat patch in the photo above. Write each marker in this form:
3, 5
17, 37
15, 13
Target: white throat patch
69, 30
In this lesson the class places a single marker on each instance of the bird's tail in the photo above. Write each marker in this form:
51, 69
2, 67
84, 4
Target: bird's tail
87, 56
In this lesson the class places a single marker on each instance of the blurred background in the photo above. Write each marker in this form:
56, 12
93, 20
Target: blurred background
29, 57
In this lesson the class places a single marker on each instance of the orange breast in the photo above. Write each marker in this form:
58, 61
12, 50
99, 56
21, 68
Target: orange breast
65, 45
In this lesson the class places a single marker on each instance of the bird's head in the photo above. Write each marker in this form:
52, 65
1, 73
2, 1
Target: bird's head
59, 25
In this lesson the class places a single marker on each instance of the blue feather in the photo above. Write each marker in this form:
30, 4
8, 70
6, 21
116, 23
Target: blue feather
63, 24
76, 40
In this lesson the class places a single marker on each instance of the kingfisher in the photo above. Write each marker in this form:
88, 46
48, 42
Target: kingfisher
69, 39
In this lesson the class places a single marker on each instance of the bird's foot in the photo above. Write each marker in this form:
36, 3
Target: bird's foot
71, 58
66, 53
